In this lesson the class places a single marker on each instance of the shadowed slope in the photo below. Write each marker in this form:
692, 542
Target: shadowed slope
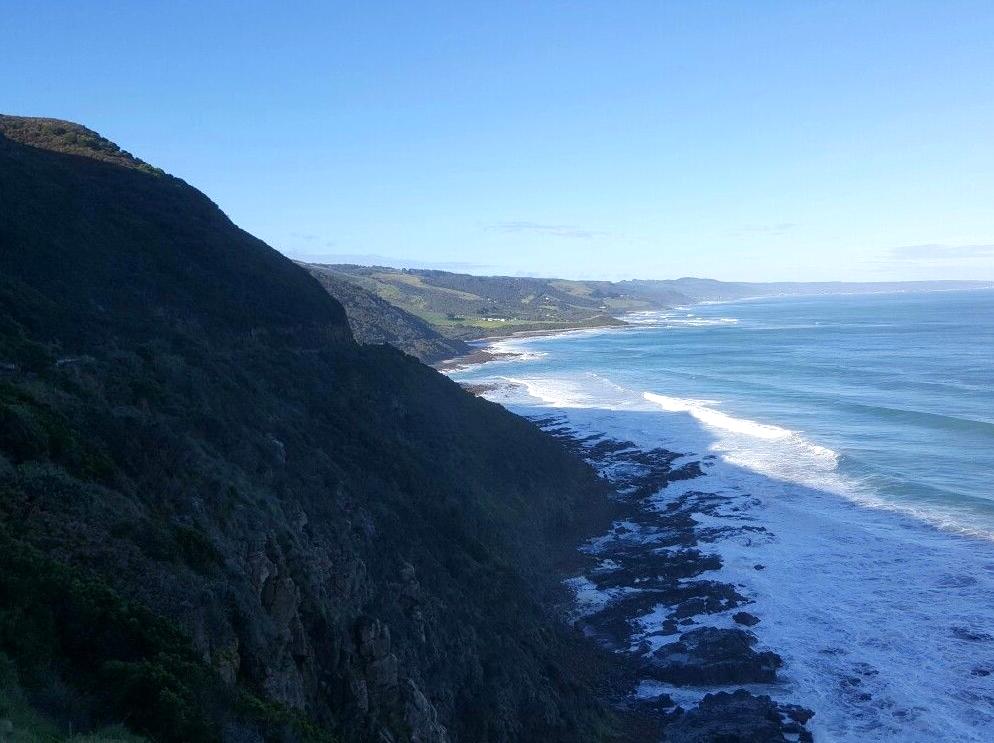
98, 241
222, 519
374, 320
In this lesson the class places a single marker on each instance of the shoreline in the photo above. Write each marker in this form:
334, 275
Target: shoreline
482, 356
652, 590
788, 544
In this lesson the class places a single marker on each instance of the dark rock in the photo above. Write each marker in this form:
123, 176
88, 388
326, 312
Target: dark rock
421, 717
745, 618
737, 717
686, 472
653, 569
708, 655
410, 588
231, 733
797, 713
278, 449
372, 638
662, 702
654, 552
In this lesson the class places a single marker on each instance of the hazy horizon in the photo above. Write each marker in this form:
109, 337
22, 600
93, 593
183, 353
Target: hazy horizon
375, 261
773, 141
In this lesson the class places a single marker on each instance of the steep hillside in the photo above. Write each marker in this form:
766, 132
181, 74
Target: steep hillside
222, 519
466, 306
374, 320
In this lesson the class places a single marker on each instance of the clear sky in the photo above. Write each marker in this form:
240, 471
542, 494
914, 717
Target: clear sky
793, 140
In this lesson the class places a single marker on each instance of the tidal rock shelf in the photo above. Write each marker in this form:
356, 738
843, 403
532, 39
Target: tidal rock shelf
651, 591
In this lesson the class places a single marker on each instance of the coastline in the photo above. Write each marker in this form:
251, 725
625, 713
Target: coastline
771, 508
481, 355
652, 590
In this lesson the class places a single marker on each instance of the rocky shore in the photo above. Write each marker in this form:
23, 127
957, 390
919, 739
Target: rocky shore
649, 591
478, 356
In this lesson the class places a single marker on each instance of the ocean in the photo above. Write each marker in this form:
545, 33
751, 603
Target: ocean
861, 428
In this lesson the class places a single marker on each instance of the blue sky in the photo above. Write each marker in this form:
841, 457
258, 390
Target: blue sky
739, 140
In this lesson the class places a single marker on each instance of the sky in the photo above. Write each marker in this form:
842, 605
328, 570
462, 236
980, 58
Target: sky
793, 140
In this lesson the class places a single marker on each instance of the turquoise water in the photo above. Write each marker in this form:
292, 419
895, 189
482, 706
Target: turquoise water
900, 387
862, 428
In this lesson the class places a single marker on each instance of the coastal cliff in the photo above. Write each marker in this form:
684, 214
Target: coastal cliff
374, 320
222, 519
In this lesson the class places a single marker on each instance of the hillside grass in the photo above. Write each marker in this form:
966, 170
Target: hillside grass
467, 307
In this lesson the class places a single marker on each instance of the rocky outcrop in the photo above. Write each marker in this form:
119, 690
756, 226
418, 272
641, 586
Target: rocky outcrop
655, 603
421, 716
739, 717
707, 656
745, 619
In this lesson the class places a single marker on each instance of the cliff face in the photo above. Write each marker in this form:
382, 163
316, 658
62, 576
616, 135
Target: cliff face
223, 519
374, 320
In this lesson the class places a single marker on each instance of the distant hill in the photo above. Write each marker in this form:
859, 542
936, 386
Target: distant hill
374, 320
465, 306
704, 290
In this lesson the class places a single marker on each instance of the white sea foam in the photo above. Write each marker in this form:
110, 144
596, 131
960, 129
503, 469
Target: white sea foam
515, 347
881, 621
767, 449
789, 456
884, 622
873, 613
715, 418
675, 319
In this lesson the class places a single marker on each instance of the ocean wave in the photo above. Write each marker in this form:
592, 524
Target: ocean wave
883, 623
670, 319
788, 456
515, 347
929, 418
715, 418
776, 452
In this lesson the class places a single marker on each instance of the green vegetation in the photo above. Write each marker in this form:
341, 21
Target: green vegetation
20, 722
224, 519
461, 306
374, 320
466, 307
63, 136
125, 662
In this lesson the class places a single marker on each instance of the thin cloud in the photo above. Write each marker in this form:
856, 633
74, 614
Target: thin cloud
307, 236
778, 228
373, 259
553, 230
940, 253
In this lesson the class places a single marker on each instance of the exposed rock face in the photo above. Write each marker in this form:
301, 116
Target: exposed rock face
421, 717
